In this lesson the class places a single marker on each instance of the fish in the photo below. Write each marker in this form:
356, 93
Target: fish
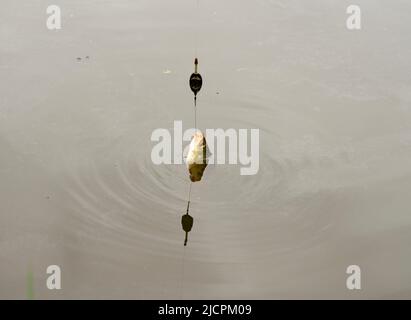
197, 156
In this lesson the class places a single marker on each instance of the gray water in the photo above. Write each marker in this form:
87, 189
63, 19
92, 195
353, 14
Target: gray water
78, 188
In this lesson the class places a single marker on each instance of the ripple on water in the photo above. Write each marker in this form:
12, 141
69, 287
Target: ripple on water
118, 196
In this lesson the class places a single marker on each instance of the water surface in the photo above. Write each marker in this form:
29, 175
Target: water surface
78, 187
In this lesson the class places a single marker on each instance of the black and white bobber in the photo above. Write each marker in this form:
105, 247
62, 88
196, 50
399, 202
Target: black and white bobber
196, 81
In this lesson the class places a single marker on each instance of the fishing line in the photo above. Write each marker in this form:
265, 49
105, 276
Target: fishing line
197, 10
182, 274
195, 118
189, 196
195, 85
184, 249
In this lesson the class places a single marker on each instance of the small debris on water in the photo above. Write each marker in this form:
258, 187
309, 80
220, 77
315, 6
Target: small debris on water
80, 58
167, 71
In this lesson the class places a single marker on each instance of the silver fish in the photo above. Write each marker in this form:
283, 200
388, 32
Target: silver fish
197, 156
